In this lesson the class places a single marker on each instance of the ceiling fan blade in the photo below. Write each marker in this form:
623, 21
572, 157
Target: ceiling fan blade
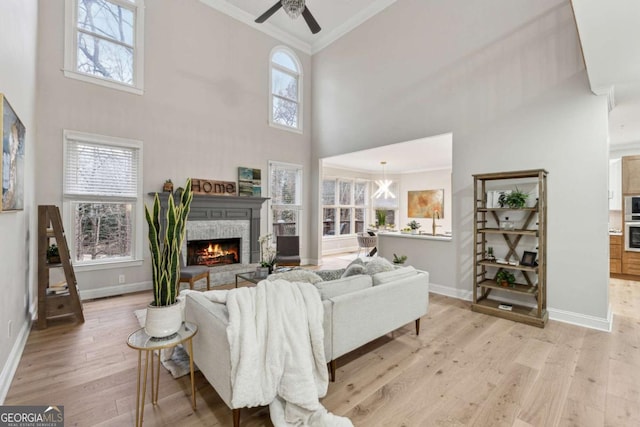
311, 21
273, 9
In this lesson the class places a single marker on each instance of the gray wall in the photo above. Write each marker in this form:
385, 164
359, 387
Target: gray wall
507, 78
203, 113
17, 229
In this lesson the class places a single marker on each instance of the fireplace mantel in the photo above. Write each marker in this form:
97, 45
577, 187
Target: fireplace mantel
215, 208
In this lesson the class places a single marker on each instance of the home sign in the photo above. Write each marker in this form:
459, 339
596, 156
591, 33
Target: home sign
213, 188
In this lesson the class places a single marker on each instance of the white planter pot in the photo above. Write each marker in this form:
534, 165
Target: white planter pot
163, 321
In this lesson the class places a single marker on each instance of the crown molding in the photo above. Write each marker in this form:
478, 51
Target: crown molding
267, 28
356, 20
323, 41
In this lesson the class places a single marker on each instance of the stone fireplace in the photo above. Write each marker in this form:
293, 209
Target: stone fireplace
223, 218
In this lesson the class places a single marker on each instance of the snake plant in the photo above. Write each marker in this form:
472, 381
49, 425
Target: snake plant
165, 245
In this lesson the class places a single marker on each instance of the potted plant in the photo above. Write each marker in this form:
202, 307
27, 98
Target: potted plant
505, 278
164, 315
381, 217
414, 225
515, 199
267, 256
168, 186
53, 254
399, 259
490, 255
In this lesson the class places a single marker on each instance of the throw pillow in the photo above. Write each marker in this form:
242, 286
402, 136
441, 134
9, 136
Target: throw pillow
393, 275
354, 269
347, 285
330, 274
307, 276
378, 265
357, 261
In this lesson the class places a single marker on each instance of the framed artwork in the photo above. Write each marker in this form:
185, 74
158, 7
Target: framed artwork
529, 259
426, 203
249, 182
12, 165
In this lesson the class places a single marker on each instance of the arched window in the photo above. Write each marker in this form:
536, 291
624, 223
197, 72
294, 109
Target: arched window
285, 102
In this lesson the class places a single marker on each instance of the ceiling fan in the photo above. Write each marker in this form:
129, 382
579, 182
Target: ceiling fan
293, 8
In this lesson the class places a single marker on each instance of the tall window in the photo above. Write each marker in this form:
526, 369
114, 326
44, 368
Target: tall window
102, 198
285, 189
103, 42
344, 206
285, 102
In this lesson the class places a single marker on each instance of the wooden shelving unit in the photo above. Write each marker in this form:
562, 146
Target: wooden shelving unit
532, 295
64, 300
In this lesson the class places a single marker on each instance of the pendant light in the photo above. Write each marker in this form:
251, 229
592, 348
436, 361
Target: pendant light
383, 186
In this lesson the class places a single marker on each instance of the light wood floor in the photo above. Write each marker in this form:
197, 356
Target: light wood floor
465, 369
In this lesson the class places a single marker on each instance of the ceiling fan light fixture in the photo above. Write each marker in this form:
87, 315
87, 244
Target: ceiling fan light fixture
293, 7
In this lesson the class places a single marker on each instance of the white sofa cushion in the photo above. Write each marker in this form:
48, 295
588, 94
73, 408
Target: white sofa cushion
390, 276
343, 286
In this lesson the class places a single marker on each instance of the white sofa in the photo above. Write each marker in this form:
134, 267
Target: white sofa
357, 310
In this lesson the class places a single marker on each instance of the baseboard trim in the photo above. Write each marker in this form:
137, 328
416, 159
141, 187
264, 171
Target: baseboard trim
114, 290
11, 366
578, 319
448, 291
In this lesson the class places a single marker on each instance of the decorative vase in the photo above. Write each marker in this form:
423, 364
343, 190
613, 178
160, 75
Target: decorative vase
163, 321
262, 271
414, 231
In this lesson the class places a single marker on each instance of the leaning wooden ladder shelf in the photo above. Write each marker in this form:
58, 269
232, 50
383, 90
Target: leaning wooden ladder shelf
62, 300
486, 223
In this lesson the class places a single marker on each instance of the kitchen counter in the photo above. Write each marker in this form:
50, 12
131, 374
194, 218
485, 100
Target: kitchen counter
440, 237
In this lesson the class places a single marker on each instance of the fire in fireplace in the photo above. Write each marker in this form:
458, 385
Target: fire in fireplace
213, 252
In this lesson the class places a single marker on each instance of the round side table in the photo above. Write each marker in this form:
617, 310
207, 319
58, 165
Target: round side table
142, 342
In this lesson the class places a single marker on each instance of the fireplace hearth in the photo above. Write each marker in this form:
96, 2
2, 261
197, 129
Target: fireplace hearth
213, 252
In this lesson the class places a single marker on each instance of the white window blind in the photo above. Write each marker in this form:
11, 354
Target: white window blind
101, 170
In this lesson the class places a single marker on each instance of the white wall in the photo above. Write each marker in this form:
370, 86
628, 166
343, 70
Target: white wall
203, 113
506, 77
18, 229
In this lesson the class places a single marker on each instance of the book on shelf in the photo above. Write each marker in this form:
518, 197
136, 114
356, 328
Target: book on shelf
58, 288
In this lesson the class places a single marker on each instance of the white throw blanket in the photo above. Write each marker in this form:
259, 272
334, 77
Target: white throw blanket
277, 352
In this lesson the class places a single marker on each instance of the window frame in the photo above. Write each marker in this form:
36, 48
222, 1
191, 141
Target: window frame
137, 242
298, 77
71, 48
351, 206
299, 195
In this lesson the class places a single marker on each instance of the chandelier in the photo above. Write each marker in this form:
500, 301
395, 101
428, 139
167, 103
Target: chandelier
293, 7
383, 186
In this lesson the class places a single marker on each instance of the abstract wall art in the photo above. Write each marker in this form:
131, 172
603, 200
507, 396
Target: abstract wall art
12, 165
426, 203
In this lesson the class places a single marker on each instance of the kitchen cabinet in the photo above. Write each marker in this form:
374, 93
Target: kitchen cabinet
615, 254
530, 233
631, 263
615, 185
631, 175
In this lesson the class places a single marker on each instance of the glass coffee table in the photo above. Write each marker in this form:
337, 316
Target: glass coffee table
250, 276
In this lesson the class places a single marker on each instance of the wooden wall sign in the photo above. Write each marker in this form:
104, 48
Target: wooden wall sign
213, 188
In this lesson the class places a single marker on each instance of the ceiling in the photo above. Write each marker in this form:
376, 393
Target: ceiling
424, 154
609, 34
336, 18
610, 37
